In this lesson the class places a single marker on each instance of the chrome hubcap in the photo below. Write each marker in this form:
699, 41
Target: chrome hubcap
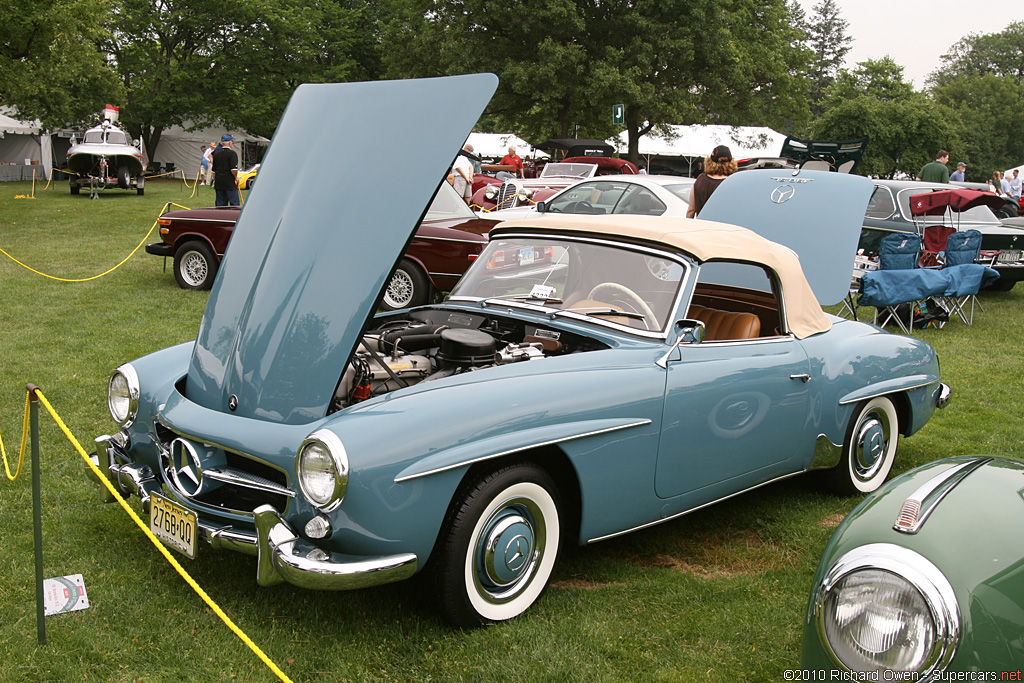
509, 550
871, 444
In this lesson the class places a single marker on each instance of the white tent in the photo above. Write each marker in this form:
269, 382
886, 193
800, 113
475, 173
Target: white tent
495, 146
180, 147
21, 142
696, 142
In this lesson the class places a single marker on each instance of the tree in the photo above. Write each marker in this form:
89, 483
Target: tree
905, 128
231, 61
982, 80
563, 64
828, 40
52, 68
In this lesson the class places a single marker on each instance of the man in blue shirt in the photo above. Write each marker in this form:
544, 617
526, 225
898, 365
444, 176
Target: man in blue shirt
958, 174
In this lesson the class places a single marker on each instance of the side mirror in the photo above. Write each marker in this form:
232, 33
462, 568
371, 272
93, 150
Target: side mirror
541, 207
691, 331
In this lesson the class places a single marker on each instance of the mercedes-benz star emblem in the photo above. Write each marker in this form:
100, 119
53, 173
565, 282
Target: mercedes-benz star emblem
515, 552
185, 468
783, 193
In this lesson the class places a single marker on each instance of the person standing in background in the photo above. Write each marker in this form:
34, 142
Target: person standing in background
717, 167
958, 174
204, 164
936, 171
208, 156
514, 160
225, 172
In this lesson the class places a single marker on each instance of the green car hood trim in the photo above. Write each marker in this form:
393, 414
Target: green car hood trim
316, 242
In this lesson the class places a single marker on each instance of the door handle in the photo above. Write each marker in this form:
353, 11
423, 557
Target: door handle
803, 377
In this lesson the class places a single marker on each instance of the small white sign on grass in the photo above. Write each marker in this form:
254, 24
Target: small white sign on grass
64, 594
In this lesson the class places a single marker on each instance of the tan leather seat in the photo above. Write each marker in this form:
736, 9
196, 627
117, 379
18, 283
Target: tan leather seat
722, 325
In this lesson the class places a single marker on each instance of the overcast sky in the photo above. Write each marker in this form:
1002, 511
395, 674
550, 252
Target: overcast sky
916, 33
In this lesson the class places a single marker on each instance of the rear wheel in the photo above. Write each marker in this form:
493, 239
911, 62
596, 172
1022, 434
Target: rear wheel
122, 177
499, 545
75, 187
408, 287
195, 266
140, 185
869, 448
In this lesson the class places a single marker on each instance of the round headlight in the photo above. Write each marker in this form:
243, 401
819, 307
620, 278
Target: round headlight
323, 469
885, 608
123, 395
491, 191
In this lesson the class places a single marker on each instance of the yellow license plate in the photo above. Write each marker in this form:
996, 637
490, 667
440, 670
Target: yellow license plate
176, 526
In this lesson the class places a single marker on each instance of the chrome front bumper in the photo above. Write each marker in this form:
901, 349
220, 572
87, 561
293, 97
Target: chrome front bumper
942, 395
282, 555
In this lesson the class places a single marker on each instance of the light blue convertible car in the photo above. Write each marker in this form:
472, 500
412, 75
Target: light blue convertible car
589, 375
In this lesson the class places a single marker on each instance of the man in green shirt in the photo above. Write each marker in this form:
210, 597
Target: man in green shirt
936, 171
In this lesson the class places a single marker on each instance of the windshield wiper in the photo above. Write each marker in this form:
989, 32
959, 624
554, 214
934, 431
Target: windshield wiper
523, 297
614, 313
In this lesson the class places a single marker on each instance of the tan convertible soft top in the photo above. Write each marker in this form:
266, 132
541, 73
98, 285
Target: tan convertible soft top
706, 241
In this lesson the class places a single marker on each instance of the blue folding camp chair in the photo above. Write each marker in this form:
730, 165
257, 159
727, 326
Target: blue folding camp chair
962, 248
898, 251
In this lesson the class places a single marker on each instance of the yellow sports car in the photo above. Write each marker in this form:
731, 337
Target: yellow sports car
246, 179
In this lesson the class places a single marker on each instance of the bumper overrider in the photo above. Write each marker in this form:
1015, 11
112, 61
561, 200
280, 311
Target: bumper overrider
283, 556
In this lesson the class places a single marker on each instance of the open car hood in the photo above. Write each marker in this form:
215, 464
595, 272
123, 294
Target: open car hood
315, 244
817, 214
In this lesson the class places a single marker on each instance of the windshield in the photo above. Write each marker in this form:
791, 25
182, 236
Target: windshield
448, 204
568, 171
607, 196
610, 285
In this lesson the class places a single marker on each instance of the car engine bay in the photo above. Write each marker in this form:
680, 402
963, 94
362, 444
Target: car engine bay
431, 344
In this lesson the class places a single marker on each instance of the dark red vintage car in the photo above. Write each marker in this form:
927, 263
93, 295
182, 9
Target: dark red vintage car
492, 194
446, 242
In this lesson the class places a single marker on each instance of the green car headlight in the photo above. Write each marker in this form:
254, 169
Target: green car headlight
123, 395
885, 608
323, 469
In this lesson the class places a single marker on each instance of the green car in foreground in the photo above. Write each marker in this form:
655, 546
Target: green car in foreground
924, 580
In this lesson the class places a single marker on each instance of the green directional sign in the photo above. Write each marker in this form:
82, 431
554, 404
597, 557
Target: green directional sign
618, 113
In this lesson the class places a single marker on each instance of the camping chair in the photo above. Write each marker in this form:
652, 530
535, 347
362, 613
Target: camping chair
935, 237
898, 251
962, 249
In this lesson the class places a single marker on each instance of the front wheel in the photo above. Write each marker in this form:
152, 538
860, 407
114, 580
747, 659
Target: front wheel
869, 448
408, 287
195, 266
498, 546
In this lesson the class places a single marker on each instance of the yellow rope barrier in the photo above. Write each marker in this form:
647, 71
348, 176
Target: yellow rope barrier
106, 272
156, 542
24, 440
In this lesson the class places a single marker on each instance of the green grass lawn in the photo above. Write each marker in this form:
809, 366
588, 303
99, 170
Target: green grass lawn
715, 596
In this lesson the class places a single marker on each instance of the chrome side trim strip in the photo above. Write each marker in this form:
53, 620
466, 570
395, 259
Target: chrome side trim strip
913, 513
693, 509
473, 461
884, 392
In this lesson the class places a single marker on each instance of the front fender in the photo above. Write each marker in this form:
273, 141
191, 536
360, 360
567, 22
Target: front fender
514, 442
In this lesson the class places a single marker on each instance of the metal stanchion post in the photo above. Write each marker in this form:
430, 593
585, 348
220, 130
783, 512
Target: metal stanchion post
37, 513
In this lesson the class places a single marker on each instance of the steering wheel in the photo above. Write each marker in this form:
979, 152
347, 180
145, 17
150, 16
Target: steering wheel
579, 206
639, 304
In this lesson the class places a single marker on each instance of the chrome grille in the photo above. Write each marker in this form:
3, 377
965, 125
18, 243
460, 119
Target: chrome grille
508, 195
